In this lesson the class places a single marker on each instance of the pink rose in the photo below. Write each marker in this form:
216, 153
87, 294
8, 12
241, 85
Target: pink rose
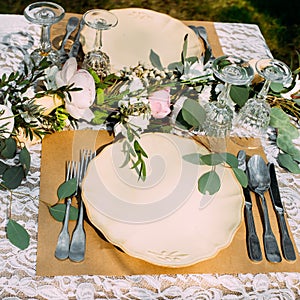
80, 101
160, 102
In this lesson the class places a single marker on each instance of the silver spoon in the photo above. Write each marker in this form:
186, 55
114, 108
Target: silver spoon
259, 182
71, 26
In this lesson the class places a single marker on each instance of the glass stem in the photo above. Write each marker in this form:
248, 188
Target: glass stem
225, 95
98, 40
45, 39
264, 91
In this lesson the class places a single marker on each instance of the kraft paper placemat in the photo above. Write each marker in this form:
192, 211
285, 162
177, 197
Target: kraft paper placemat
102, 258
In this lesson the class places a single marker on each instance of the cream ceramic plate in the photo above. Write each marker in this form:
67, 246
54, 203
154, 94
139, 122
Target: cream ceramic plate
140, 30
161, 220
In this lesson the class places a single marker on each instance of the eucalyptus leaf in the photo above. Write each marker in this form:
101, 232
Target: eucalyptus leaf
286, 161
239, 94
230, 159
278, 117
57, 211
240, 176
17, 234
212, 159
209, 183
176, 66
67, 189
155, 60
286, 145
10, 148
25, 160
3, 167
193, 113
289, 130
194, 158
276, 87
13, 177
181, 123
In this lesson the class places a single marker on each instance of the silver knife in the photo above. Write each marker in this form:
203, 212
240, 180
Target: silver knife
75, 47
253, 245
286, 242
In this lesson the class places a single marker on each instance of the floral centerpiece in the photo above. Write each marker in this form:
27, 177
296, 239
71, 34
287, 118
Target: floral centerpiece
39, 101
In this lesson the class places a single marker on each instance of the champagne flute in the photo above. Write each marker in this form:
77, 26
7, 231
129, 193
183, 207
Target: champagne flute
96, 59
44, 14
254, 117
219, 115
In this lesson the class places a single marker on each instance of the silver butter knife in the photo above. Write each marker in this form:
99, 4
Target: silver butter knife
286, 242
254, 250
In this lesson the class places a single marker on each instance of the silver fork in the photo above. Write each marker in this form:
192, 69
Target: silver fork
63, 242
78, 242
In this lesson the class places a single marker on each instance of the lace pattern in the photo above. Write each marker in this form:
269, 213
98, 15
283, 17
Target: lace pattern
17, 268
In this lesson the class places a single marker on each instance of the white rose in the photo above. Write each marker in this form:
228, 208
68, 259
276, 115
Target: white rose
79, 104
7, 121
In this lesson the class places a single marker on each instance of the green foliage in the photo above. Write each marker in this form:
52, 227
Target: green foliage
155, 60
17, 235
57, 211
289, 158
193, 113
67, 188
210, 181
239, 94
134, 153
12, 174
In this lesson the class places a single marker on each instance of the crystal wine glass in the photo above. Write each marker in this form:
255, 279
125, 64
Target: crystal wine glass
219, 115
44, 14
96, 59
254, 117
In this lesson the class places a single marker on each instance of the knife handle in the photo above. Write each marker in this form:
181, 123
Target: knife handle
286, 242
254, 250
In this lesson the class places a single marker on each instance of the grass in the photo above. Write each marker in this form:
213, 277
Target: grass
278, 20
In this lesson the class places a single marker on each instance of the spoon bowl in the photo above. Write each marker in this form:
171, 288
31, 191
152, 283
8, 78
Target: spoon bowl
259, 182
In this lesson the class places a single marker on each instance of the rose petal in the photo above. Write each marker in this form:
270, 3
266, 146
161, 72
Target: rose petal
64, 76
79, 113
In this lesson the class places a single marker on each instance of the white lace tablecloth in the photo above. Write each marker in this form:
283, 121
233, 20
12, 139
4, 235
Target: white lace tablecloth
18, 278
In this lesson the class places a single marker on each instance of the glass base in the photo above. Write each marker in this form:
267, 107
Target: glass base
218, 121
52, 56
253, 118
97, 61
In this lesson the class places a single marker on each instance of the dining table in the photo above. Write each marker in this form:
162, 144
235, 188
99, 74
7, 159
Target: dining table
26, 275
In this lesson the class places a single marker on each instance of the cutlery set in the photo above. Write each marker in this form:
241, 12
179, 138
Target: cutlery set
70, 28
74, 248
261, 178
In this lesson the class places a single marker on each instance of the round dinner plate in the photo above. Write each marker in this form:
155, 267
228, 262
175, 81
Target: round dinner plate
160, 220
140, 30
